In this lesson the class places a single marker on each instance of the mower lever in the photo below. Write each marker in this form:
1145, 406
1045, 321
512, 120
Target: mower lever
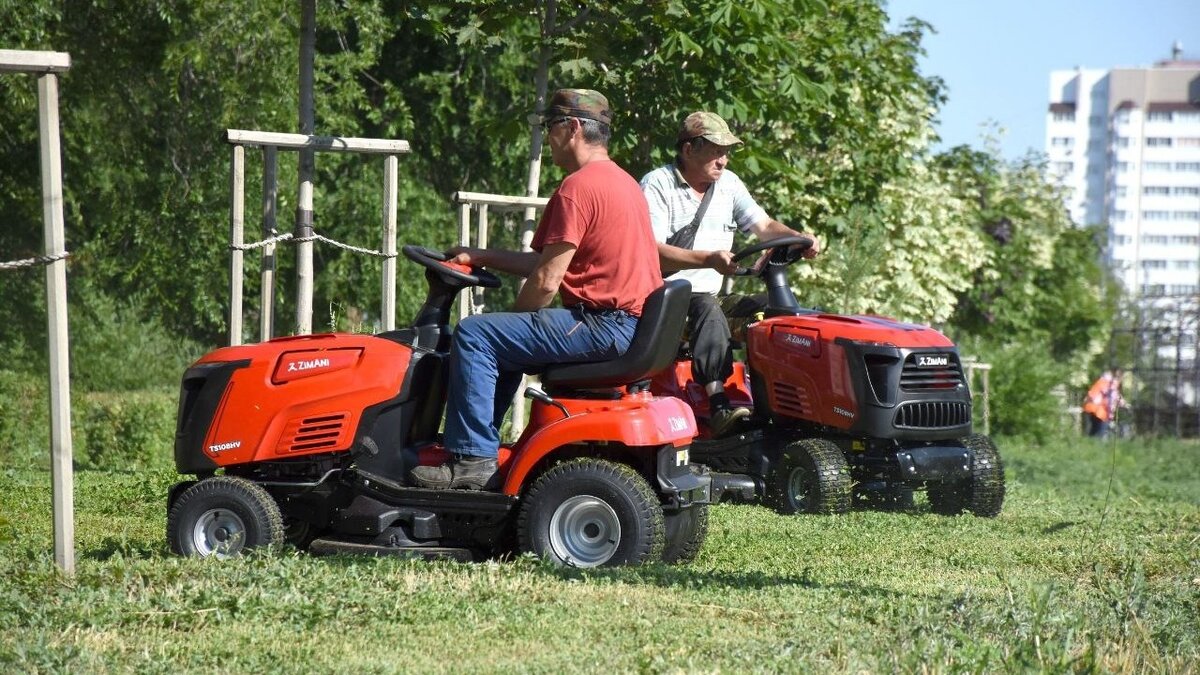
538, 394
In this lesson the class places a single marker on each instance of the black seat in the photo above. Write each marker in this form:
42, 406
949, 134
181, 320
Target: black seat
653, 347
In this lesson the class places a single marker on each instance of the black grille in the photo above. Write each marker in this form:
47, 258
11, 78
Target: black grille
916, 378
933, 414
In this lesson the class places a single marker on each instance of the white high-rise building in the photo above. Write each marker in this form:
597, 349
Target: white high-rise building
1127, 143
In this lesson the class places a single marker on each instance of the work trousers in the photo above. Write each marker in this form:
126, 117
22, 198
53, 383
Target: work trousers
710, 334
491, 351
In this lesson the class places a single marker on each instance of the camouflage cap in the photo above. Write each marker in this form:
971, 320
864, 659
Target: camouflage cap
708, 125
583, 103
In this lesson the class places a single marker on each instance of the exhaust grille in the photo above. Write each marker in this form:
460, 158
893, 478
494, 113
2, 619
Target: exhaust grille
933, 415
791, 400
914, 377
313, 433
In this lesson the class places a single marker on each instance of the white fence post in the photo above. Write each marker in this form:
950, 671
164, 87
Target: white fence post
388, 297
270, 190
237, 222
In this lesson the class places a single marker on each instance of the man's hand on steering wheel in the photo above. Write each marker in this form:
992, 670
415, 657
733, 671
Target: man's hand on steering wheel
721, 261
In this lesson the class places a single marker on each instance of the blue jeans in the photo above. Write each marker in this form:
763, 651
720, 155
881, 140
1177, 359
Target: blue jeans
491, 351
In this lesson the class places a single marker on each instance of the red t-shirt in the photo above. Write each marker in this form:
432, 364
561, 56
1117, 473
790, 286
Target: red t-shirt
601, 210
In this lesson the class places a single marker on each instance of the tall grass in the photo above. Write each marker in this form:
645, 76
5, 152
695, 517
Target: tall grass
1092, 566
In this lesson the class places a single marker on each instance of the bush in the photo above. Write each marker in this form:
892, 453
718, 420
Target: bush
125, 431
24, 419
1022, 382
110, 431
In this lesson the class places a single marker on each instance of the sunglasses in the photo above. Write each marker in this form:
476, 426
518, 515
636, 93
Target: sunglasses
550, 124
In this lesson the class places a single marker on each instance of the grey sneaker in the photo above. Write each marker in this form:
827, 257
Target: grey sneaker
724, 420
470, 473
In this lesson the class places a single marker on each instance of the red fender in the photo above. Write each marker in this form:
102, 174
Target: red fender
638, 420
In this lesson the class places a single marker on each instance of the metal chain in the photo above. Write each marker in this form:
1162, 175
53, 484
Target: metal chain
30, 262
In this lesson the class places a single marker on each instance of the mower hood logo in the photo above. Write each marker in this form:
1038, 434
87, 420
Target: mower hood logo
221, 447
803, 341
932, 360
297, 366
843, 412
678, 423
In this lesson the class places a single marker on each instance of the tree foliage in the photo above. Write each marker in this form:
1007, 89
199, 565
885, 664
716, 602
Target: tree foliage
834, 111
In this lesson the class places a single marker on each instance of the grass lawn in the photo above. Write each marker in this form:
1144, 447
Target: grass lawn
1094, 565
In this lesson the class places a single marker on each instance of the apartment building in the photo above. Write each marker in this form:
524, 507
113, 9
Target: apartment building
1126, 141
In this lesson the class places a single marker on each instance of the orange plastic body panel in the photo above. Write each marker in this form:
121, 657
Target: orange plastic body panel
635, 420
806, 372
301, 395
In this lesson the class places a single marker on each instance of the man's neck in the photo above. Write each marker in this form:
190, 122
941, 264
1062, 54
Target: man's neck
696, 179
586, 154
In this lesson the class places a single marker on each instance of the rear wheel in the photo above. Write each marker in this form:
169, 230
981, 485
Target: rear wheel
811, 477
224, 517
590, 512
686, 530
982, 493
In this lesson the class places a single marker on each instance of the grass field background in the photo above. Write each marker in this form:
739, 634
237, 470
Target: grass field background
1094, 565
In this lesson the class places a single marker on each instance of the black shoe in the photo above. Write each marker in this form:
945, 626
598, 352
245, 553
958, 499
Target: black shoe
724, 420
470, 473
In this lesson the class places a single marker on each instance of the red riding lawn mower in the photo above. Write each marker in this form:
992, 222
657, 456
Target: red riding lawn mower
310, 440
860, 409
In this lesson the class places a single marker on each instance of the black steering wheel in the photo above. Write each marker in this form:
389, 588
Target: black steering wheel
436, 262
787, 251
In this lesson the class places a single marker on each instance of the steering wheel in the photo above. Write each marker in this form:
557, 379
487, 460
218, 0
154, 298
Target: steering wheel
436, 262
787, 251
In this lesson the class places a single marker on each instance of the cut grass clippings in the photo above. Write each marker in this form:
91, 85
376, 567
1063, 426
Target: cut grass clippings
1073, 576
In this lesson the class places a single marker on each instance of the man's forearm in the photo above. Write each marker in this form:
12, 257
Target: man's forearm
519, 263
673, 258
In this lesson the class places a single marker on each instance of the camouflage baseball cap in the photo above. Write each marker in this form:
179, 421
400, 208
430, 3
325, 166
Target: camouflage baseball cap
582, 103
708, 125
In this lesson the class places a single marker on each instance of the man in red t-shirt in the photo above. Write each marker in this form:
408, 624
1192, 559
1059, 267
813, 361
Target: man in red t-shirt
594, 245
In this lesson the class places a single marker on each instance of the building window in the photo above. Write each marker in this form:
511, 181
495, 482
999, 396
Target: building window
1182, 289
1186, 215
1156, 166
1189, 167
1185, 191
1121, 239
1154, 264
1156, 215
1159, 116
1160, 239
1188, 142
1062, 142
1158, 142
1185, 240
1066, 116
1064, 167
1153, 290
1152, 190
1183, 264
1121, 141
1120, 216
1187, 116
1122, 167
1120, 191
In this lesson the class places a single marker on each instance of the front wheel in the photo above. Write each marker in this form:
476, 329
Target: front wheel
590, 512
811, 477
981, 493
224, 517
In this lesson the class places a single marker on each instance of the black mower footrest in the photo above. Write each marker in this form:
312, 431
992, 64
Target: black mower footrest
735, 486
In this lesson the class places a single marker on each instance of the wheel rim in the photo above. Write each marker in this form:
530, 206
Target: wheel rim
798, 488
219, 532
584, 531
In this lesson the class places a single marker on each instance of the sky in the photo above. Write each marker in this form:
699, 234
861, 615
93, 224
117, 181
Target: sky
996, 56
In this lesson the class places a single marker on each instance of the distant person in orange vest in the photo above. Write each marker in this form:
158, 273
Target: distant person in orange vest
1102, 402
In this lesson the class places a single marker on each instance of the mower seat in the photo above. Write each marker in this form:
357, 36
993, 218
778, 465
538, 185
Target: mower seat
652, 348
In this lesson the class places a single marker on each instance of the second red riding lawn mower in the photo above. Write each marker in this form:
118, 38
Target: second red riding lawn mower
311, 439
846, 409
